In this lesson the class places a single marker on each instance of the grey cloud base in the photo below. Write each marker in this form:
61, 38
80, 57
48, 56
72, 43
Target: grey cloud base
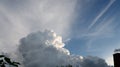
91, 61
46, 49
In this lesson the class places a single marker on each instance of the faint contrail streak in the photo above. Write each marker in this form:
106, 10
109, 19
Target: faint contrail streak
101, 13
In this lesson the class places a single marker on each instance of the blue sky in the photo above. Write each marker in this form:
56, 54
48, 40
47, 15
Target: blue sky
96, 28
88, 27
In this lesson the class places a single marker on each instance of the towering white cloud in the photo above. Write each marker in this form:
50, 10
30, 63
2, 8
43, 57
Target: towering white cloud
46, 49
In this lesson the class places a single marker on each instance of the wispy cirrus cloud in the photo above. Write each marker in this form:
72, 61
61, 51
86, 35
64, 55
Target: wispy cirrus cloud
104, 30
101, 13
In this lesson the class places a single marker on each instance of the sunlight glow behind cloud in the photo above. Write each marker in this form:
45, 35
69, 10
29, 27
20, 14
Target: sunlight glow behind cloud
18, 18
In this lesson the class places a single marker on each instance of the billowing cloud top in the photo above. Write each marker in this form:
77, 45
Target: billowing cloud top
43, 49
46, 49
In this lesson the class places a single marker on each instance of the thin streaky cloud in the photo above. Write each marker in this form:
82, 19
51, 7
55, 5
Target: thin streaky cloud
101, 30
101, 14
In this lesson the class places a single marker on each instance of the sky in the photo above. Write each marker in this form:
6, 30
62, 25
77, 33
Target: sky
87, 27
96, 29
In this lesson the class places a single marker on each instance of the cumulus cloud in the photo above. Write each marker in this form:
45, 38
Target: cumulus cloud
43, 49
46, 49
